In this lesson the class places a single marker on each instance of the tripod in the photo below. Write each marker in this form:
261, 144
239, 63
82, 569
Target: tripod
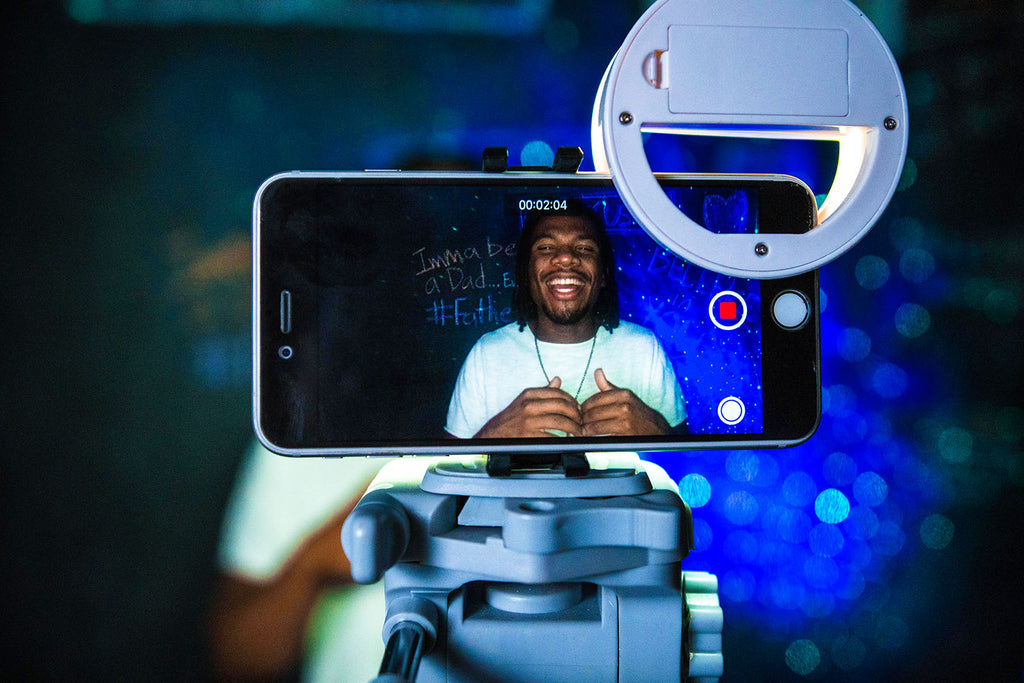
531, 567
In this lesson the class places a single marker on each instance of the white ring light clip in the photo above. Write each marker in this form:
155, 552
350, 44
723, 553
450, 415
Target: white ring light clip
804, 69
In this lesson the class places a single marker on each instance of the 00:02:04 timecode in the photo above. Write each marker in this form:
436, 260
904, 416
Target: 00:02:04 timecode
542, 204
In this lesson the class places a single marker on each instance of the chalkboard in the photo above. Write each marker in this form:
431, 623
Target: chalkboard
444, 275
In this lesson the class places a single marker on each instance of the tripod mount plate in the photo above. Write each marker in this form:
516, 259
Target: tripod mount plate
610, 474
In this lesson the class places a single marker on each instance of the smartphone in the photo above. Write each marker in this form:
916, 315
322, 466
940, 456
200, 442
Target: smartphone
374, 293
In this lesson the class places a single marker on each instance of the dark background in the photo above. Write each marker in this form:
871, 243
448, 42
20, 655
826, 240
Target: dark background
131, 153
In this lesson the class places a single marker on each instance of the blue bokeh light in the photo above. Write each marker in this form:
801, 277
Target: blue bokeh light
702, 535
854, 344
831, 506
536, 153
839, 400
794, 526
889, 539
851, 586
862, 523
785, 591
937, 531
803, 657
912, 320
821, 572
695, 490
741, 508
826, 540
848, 652
738, 585
818, 604
891, 631
767, 471
890, 380
917, 265
870, 489
956, 444
742, 466
872, 272
799, 489
839, 469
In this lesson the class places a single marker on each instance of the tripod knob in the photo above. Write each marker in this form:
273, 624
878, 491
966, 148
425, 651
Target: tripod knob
375, 536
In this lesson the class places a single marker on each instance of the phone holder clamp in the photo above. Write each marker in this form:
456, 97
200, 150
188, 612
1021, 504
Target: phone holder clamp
567, 160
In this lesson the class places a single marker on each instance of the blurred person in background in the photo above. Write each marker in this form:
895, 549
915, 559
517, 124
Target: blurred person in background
284, 604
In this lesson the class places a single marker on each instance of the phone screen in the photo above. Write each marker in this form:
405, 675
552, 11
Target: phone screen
388, 320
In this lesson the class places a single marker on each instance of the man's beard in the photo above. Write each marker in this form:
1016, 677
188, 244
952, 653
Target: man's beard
570, 316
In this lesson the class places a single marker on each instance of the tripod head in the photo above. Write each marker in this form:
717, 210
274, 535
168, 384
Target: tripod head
579, 570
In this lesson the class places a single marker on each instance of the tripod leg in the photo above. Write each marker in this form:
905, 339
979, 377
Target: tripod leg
402, 654
411, 631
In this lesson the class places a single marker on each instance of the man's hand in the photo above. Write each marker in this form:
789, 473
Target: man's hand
538, 411
618, 412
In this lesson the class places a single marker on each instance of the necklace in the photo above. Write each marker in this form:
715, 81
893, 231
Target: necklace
585, 370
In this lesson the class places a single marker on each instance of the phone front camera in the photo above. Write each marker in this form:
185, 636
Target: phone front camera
285, 352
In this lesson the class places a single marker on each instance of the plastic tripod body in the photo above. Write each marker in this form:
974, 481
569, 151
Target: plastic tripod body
805, 69
536, 575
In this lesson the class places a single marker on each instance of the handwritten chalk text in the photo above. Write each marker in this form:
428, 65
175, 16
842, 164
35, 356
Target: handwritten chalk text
464, 311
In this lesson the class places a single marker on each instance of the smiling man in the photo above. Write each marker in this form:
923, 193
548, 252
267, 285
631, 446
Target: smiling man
568, 365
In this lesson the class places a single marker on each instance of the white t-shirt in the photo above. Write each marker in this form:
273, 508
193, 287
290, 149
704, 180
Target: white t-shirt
504, 362
277, 503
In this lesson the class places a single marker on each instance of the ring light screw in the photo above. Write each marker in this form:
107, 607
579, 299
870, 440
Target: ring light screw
625, 118
890, 123
761, 249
